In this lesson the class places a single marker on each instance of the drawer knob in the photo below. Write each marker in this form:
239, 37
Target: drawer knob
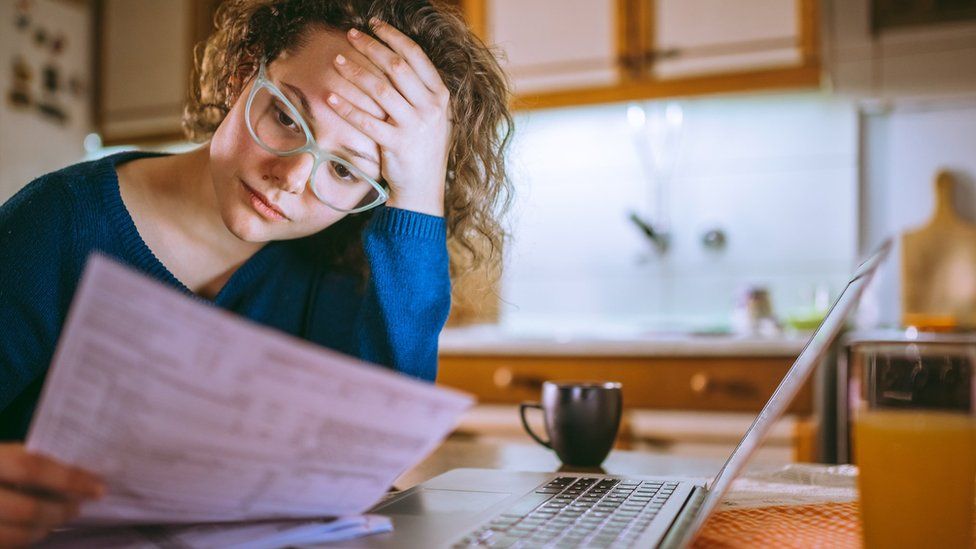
699, 383
506, 378
702, 384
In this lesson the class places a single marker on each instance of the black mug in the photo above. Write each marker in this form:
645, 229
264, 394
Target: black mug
581, 420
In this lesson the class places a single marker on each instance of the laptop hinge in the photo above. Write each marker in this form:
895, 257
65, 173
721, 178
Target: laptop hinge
676, 534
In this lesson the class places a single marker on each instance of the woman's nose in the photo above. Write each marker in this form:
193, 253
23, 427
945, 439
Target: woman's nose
291, 173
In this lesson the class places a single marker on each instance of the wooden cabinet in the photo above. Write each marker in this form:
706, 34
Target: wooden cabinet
144, 61
695, 37
573, 52
730, 384
882, 57
547, 45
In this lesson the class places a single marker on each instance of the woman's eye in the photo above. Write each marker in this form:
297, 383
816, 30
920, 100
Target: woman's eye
342, 172
285, 120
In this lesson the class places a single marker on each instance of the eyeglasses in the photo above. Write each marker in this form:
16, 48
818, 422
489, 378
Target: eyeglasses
277, 127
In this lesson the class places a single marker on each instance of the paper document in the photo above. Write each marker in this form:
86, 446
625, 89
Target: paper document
192, 414
247, 535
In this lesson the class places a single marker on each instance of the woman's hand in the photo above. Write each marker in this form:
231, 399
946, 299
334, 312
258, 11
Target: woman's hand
38, 494
414, 139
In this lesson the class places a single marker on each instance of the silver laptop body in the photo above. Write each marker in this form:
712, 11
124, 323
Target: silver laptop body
449, 509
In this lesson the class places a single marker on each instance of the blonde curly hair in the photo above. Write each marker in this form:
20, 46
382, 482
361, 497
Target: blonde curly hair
478, 190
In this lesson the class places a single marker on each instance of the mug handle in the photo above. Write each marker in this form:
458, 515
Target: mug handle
525, 423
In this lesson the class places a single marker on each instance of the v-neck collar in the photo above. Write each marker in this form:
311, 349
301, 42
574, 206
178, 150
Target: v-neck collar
143, 257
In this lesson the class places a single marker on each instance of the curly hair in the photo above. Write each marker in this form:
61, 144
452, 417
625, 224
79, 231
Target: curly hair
478, 191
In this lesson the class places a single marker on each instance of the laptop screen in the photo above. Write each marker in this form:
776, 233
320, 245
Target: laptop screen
804, 365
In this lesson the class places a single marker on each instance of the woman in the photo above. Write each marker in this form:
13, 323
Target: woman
346, 141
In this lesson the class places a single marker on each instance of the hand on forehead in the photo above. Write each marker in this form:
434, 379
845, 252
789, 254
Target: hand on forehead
313, 65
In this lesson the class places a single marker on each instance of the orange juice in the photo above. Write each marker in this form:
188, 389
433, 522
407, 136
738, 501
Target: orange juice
917, 478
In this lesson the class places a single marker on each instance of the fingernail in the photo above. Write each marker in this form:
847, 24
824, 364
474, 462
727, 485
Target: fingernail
375, 21
341, 59
332, 99
354, 33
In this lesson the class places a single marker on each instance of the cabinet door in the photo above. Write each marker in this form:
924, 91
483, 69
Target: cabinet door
551, 45
145, 66
145, 61
703, 37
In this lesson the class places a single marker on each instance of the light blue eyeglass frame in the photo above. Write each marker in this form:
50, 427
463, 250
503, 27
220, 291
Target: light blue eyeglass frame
319, 155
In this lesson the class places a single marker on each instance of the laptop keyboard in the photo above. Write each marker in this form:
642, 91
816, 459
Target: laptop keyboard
576, 512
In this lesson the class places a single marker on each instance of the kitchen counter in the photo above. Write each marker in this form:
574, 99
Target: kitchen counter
699, 371
617, 341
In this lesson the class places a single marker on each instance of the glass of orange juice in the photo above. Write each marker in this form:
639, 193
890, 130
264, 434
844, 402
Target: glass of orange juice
915, 443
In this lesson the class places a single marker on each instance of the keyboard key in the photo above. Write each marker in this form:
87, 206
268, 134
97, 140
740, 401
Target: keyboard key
576, 512
501, 542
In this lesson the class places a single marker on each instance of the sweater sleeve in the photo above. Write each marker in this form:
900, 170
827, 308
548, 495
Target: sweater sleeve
408, 294
36, 285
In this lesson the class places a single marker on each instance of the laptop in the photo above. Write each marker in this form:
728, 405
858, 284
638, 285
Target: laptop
488, 507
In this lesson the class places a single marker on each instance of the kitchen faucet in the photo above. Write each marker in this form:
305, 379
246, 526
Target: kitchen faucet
659, 237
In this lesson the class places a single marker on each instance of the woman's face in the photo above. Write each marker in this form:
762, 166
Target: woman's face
264, 197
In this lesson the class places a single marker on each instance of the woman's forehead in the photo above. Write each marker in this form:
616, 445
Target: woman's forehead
315, 57
310, 69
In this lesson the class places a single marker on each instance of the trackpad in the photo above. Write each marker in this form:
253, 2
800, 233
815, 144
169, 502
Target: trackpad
429, 502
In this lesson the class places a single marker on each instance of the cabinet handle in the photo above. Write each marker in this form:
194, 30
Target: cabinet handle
506, 378
702, 384
651, 56
630, 63
636, 63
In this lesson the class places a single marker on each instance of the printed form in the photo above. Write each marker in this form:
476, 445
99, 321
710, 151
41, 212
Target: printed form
192, 414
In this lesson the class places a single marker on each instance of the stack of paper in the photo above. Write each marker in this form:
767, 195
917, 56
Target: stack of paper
192, 414
243, 535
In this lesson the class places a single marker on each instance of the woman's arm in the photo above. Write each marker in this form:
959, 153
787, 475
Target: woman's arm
408, 295
37, 279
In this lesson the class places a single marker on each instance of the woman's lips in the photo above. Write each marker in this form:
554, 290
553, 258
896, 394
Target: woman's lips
263, 206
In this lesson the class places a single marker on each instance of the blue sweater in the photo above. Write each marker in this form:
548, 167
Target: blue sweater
50, 227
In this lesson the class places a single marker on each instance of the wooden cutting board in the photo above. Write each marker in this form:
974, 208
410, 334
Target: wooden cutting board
938, 269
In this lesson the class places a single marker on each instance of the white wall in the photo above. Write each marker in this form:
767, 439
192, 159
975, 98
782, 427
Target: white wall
777, 172
31, 144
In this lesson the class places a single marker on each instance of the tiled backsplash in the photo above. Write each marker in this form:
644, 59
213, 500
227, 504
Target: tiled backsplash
777, 173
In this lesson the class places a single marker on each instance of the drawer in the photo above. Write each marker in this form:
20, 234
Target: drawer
734, 384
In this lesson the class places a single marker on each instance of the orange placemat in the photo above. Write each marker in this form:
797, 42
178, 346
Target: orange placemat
800, 526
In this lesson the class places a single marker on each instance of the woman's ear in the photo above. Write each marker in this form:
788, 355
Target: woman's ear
246, 70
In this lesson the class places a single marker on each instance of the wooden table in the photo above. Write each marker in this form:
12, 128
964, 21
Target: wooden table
759, 485
455, 453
